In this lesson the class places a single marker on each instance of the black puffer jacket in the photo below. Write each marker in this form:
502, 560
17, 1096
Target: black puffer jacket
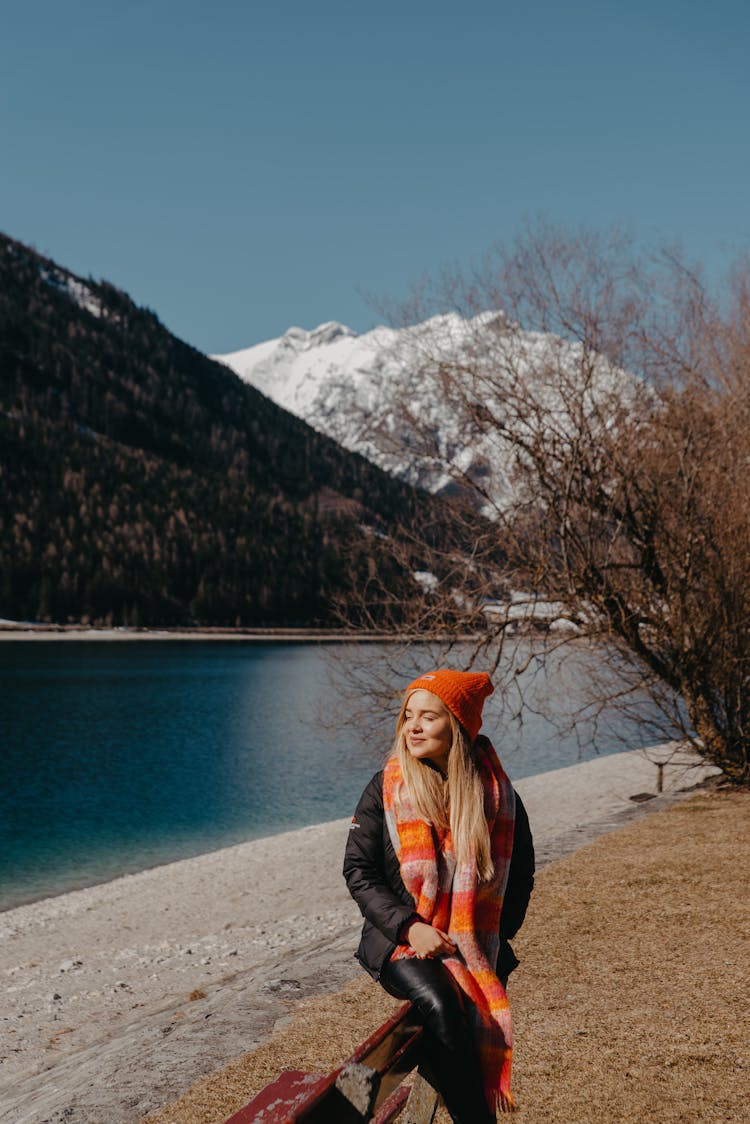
374, 879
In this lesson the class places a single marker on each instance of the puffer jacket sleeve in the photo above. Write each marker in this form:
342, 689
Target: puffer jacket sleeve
379, 901
520, 876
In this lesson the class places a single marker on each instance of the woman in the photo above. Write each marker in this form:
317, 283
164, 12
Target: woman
440, 861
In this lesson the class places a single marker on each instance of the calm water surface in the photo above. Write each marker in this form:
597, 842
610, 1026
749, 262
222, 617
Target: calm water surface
119, 756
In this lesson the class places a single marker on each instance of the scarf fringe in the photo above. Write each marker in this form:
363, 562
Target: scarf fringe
497, 1092
506, 1103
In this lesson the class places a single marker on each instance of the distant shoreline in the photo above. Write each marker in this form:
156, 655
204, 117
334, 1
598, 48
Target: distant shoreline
23, 631
26, 630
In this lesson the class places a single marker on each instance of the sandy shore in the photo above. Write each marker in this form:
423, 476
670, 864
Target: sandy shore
117, 997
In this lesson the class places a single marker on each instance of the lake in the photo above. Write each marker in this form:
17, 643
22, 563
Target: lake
119, 756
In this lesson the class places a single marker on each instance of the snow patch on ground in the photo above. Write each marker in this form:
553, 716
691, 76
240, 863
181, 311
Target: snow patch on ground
73, 288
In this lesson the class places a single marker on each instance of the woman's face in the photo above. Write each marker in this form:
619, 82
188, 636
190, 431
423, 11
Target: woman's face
427, 729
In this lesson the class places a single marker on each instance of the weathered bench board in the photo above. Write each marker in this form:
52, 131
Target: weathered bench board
367, 1087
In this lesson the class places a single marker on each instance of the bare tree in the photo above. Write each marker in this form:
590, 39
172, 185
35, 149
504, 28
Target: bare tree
592, 410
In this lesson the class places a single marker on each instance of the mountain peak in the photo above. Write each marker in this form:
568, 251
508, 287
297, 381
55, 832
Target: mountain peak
318, 337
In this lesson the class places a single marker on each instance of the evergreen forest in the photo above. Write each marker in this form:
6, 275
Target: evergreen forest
143, 484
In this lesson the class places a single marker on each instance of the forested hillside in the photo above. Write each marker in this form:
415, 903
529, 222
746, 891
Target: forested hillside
142, 483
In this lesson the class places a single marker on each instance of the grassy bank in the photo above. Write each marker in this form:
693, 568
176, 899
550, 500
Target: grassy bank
631, 1001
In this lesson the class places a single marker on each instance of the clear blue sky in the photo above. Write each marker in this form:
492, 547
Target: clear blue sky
241, 166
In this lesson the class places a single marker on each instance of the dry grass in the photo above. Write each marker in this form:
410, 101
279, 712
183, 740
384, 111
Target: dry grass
632, 1000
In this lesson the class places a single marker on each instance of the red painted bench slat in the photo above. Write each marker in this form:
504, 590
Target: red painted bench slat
366, 1087
292, 1086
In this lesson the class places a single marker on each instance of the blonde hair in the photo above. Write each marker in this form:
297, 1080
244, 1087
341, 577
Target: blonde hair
455, 801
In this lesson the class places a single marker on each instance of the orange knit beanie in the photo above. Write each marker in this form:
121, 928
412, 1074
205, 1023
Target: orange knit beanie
463, 692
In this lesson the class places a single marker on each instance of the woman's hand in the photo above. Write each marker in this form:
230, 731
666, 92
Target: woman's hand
427, 941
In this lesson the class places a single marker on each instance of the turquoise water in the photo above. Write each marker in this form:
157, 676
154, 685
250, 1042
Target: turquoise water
119, 756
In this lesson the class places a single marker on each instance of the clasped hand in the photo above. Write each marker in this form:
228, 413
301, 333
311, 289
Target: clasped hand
427, 941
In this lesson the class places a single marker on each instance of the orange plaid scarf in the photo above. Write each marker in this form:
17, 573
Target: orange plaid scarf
451, 899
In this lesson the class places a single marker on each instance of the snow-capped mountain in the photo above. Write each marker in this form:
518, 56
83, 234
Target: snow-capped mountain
351, 387
374, 395
339, 382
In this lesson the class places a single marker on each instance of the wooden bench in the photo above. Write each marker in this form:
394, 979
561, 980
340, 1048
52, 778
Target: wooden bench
367, 1087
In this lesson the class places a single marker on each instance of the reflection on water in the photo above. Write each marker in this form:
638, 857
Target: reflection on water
115, 757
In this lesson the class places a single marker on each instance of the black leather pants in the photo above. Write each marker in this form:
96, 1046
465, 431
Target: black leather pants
453, 1061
